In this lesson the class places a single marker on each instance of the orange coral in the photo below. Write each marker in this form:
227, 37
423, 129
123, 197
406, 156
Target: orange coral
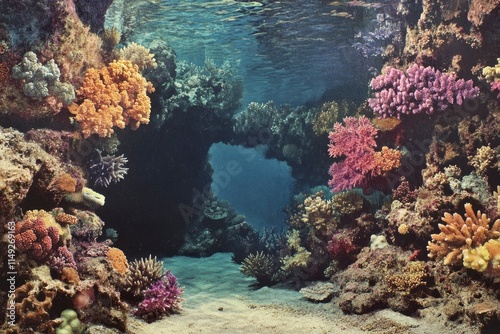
70, 275
461, 234
386, 160
115, 95
64, 182
117, 259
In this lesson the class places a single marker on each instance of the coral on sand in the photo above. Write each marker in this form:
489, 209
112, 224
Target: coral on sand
460, 238
142, 273
264, 267
420, 90
161, 299
114, 96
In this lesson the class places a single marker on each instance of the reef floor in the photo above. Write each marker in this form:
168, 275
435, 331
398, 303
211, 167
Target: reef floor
219, 299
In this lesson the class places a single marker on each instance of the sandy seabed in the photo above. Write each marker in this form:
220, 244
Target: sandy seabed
218, 299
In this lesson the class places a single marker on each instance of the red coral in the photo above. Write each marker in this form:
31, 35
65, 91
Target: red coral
35, 238
341, 247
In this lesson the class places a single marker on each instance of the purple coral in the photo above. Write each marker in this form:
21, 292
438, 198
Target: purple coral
420, 90
62, 258
162, 298
108, 169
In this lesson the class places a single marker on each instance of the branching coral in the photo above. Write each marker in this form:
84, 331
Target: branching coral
331, 112
460, 236
483, 159
142, 274
108, 169
264, 267
420, 90
348, 203
115, 95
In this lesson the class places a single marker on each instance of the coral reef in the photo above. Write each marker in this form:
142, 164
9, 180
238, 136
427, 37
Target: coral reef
40, 81
138, 55
356, 142
212, 88
36, 238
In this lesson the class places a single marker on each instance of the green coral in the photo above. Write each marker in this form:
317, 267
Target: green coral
71, 324
40, 80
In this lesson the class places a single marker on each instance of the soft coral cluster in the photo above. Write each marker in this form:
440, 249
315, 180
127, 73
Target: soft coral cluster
356, 142
162, 298
115, 95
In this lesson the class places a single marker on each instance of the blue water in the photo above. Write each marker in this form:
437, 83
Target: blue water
287, 51
258, 188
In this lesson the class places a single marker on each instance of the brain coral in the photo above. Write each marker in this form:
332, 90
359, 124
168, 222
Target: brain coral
115, 95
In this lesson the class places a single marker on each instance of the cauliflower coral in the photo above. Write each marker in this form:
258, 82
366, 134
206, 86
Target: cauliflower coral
115, 95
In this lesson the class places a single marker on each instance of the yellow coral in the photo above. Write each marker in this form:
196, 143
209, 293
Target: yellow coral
301, 256
492, 73
403, 229
318, 212
459, 234
112, 96
138, 55
476, 258
409, 279
483, 159
493, 248
331, 112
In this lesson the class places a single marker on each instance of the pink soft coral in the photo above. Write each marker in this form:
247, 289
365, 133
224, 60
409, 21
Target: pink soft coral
355, 141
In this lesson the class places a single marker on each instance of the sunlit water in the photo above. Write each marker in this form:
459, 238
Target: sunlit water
287, 51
